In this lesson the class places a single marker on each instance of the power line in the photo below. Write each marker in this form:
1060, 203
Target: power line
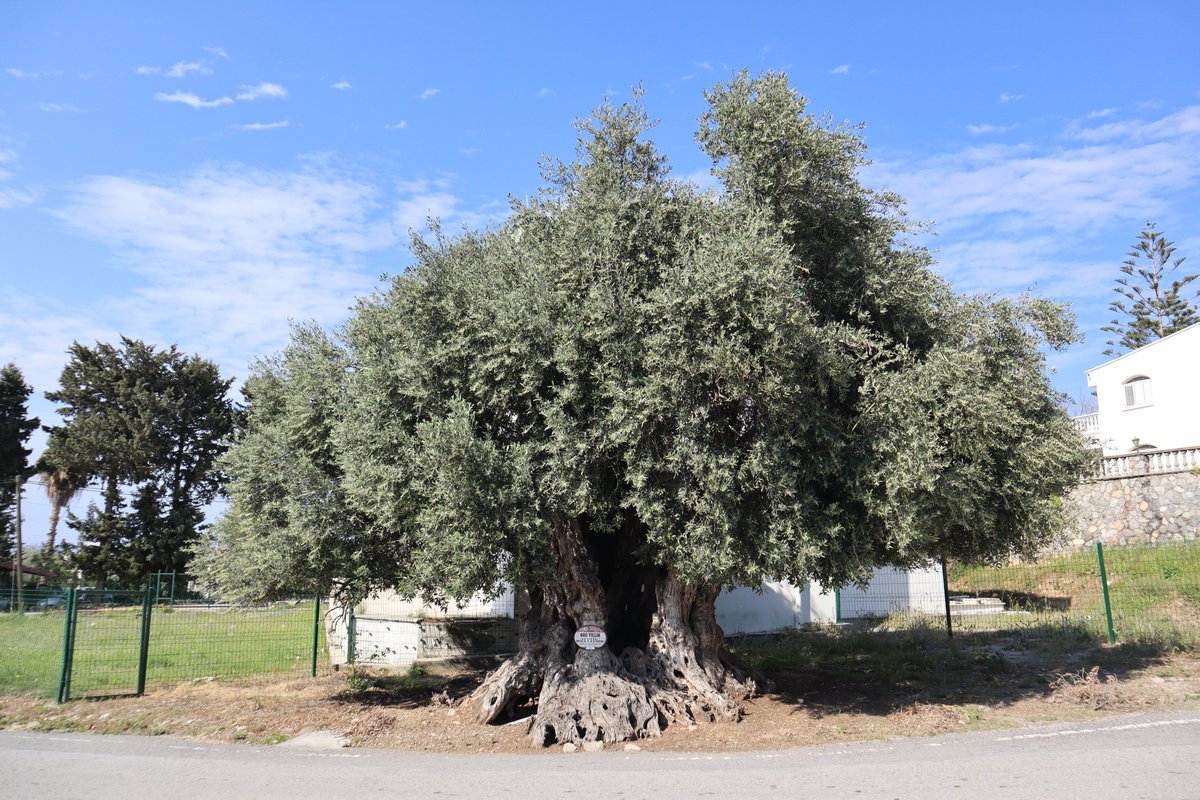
43, 484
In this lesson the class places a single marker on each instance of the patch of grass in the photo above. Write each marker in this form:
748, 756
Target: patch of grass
186, 644
918, 659
1154, 593
359, 681
59, 724
418, 677
31, 653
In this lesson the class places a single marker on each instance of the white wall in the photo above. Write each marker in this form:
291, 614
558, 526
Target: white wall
780, 604
1172, 419
391, 642
391, 606
894, 591
386, 631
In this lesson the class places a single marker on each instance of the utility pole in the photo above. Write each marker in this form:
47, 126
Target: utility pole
20, 567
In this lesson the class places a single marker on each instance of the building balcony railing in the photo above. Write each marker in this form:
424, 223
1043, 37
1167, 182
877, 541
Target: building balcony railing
1087, 424
1148, 462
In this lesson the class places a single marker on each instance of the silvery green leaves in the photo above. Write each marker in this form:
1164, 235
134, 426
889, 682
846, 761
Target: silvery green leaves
762, 381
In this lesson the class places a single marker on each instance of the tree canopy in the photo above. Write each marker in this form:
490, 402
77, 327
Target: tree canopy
148, 425
631, 382
1154, 302
16, 426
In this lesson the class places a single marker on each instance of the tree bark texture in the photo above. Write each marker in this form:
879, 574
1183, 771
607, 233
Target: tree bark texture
662, 664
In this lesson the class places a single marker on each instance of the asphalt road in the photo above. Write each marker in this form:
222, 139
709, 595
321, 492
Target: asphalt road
1147, 756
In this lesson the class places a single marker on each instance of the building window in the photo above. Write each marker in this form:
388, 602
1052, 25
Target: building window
1137, 392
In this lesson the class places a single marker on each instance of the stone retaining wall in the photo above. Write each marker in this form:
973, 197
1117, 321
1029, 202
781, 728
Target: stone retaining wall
1139, 509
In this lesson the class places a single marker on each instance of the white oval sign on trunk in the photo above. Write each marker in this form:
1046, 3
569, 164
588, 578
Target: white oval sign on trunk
590, 637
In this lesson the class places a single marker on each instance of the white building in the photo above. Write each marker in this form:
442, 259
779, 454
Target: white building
1148, 399
779, 605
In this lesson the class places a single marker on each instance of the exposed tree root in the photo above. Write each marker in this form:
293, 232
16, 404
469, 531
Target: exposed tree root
679, 676
594, 700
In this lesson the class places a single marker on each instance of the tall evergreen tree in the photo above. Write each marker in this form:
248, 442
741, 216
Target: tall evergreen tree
632, 394
1154, 304
16, 426
148, 426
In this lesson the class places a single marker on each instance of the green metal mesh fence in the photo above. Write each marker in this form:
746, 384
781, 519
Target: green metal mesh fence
1153, 595
193, 640
104, 642
31, 639
88, 642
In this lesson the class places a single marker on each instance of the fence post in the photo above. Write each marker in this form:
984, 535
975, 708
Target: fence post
64, 676
1112, 635
144, 650
946, 598
837, 605
350, 636
316, 631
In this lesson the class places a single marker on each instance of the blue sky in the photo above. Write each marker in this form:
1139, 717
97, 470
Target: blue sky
199, 174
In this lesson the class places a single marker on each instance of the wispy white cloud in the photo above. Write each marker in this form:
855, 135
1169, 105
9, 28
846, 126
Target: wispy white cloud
1058, 188
264, 126
53, 108
183, 68
703, 65
219, 52
401, 125
1045, 195
1008, 97
190, 99
11, 197
468, 151
221, 258
1185, 122
179, 69
262, 90
841, 69
14, 198
224, 257
428, 93
1055, 213
28, 75
703, 179
341, 86
1104, 112
544, 92
979, 130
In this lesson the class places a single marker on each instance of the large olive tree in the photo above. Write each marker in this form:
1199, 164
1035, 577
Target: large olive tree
632, 394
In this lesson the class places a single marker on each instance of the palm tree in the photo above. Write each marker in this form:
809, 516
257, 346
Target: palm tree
61, 488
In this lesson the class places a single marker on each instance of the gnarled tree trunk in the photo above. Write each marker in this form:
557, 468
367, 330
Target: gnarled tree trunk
662, 663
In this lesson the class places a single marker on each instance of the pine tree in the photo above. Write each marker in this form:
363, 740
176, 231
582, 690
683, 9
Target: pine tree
146, 420
1153, 304
15, 429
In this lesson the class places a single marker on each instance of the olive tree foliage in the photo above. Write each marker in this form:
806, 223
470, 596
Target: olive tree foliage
668, 387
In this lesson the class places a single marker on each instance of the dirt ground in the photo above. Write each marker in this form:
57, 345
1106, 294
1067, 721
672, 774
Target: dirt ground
856, 699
